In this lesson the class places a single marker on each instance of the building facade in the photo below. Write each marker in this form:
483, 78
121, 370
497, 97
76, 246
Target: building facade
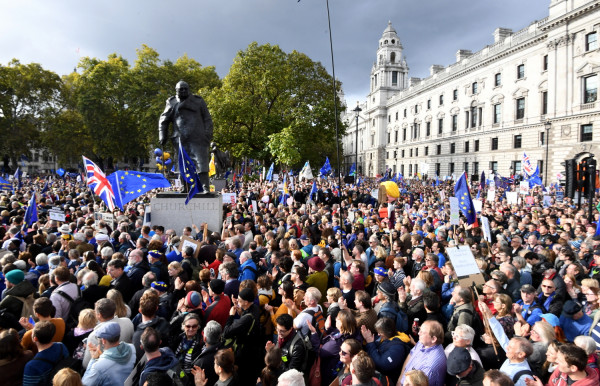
534, 91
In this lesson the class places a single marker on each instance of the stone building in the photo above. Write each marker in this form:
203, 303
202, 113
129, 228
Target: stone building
533, 91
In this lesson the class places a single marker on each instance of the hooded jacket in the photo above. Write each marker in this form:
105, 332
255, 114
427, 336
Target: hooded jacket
559, 379
112, 367
388, 355
11, 303
159, 324
162, 364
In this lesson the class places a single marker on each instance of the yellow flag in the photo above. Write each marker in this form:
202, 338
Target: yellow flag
211, 166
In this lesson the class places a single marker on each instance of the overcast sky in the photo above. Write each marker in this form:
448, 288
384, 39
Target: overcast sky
57, 33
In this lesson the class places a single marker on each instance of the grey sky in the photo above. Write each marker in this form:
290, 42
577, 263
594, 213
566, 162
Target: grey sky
57, 33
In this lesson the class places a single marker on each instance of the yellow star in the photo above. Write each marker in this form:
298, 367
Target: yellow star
126, 173
143, 186
138, 176
122, 177
139, 190
143, 179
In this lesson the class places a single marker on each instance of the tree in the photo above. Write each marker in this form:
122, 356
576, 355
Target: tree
270, 96
28, 98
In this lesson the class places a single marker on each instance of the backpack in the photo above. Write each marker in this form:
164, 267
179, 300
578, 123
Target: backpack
534, 306
318, 321
27, 309
398, 315
61, 363
476, 322
77, 305
298, 338
519, 374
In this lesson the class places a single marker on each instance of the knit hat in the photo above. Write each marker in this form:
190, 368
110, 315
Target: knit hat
387, 288
154, 254
193, 299
15, 276
316, 263
217, 286
246, 294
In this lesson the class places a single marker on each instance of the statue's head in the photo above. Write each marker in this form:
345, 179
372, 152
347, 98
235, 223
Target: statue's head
182, 89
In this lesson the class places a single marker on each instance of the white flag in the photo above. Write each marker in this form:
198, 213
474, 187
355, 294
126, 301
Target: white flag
306, 172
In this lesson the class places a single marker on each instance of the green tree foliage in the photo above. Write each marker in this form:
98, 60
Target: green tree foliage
276, 106
28, 99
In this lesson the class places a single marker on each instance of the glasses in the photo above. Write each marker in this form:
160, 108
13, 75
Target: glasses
191, 326
343, 352
281, 331
590, 294
547, 286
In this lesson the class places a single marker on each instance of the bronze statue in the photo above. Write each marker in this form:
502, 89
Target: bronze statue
193, 125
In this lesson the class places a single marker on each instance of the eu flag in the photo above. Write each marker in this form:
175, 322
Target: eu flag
461, 191
352, 170
188, 173
5, 185
326, 169
269, 176
313, 190
31, 214
129, 185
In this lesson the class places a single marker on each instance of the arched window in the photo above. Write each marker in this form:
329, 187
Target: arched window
393, 57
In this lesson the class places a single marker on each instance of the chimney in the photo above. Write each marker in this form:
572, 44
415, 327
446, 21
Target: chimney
462, 54
412, 81
501, 33
435, 68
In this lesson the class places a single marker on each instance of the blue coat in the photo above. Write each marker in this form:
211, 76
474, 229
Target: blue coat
388, 355
248, 271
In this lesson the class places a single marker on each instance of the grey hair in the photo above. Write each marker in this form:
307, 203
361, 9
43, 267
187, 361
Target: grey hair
41, 259
466, 331
587, 343
79, 237
106, 252
212, 332
291, 377
89, 279
419, 284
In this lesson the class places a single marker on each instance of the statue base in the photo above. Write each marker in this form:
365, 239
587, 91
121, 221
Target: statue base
170, 211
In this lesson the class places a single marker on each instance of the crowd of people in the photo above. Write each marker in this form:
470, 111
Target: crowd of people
330, 288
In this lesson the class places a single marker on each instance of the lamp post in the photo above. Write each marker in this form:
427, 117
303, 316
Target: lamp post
547, 126
357, 110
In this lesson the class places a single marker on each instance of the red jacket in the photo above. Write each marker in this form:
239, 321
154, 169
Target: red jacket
218, 310
559, 379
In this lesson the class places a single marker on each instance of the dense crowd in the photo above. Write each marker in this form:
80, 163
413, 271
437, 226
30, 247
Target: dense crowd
332, 287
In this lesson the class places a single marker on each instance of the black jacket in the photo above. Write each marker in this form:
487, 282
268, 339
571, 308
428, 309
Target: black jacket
206, 361
294, 354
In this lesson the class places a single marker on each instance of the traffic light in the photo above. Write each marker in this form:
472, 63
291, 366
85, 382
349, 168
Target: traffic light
570, 178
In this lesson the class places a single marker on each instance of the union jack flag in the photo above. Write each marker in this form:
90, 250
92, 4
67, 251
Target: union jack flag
527, 167
96, 180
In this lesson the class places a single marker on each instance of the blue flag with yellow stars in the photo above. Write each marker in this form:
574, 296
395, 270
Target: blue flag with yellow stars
5, 185
129, 185
461, 191
188, 173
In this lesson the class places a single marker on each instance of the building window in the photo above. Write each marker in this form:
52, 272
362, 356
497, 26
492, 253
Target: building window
452, 148
438, 150
455, 95
396, 115
396, 136
467, 120
375, 80
440, 125
542, 138
497, 112
540, 165
466, 146
591, 41
480, 115
387, 155
517, 141
437, 169
545, 63
394, 77
520, 108
494, 143
476, 168
428, 129
474, 88
473, 116
466, 167
417, 152
590, 89
544, 102
389, 118
454, 122
494, 166
587, 133
410, 153
395, 156
476, 145
426, 150
516, 167
428, 104
520, 71
402, 169
389, 137
402, 153
416, 109
441, 99
372, 139
404, 113
497, 80
410, 170
404, 134
451, 167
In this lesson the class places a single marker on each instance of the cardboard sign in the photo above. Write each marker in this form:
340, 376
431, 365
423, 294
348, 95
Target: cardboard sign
512, 198
187, 241
229, 198
547, 201
524, 187
491, 195
254, 206
454, 211
485, 224
529, 200
442, 195
147, 215
560, 196
465, 266
477, 204
56, 215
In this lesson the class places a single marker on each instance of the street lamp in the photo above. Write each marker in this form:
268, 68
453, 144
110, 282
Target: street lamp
357, 110
547, 126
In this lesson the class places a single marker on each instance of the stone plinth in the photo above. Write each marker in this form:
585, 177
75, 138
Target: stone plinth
170, 211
